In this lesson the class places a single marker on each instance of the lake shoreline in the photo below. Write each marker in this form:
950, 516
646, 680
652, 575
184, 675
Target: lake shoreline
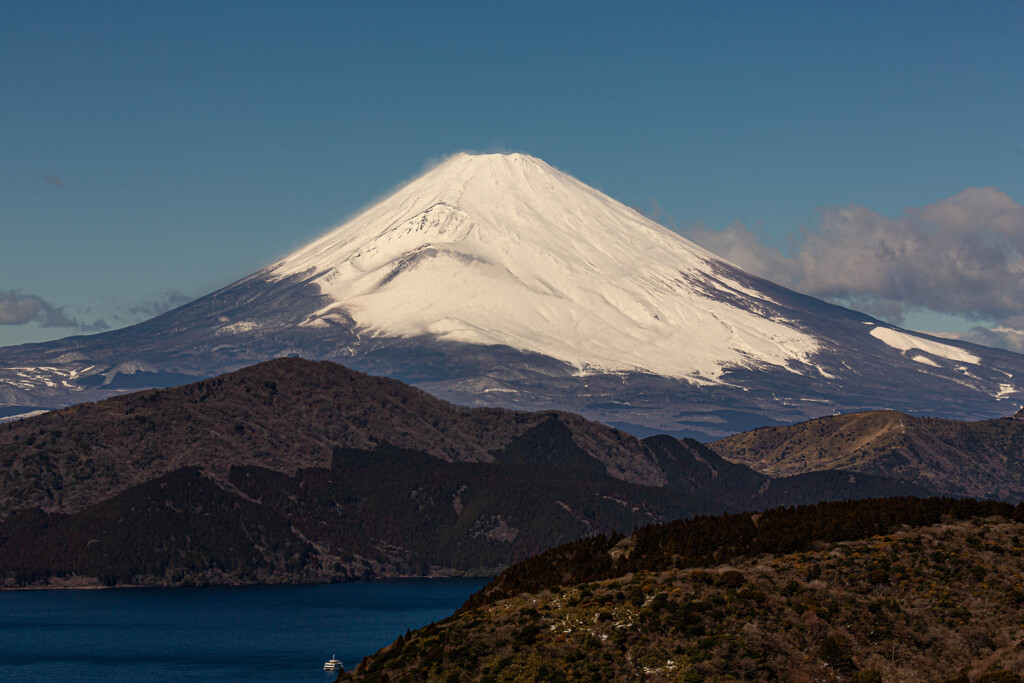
91, 584
77, 582
266, 633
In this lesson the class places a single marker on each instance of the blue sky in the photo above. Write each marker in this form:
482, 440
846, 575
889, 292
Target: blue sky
151, 152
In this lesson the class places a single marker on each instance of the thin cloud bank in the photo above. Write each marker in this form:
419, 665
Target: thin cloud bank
19, 309
172, 298
963, 256
129, 313
1002, 337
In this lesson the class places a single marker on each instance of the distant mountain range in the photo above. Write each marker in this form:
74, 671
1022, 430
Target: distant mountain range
983, 459
497, 280
296, 470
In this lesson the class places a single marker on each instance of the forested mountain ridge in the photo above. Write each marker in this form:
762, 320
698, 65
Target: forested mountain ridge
386, 512
290, 413
371, 514
305, 471
284, 414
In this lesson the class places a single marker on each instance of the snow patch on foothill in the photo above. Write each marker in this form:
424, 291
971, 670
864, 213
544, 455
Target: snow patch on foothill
240, 327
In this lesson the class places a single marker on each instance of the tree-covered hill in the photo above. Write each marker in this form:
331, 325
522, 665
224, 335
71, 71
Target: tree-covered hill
284, 415
295, 470
865, 591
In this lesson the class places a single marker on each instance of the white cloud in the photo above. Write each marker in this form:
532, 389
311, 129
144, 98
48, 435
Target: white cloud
963, 256
1002, 337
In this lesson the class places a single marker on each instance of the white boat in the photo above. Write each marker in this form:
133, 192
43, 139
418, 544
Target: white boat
333, 664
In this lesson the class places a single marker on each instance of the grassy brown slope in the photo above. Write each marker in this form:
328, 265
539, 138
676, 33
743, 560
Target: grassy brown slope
284, 414
937, 602
982, 459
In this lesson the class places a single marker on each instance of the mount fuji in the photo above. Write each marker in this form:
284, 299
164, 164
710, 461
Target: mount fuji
499, 280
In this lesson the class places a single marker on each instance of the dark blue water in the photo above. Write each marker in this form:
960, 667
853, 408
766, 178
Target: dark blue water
265, 633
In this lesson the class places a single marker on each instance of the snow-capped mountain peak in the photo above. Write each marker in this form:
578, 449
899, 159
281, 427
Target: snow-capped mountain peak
504, 249
498, 280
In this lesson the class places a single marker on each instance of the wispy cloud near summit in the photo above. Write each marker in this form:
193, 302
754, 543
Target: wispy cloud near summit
962, 256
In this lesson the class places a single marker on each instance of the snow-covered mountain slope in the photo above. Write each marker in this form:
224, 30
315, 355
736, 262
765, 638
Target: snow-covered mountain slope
504, 249
499, 280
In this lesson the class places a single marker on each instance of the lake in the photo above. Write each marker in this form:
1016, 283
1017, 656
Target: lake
259, 633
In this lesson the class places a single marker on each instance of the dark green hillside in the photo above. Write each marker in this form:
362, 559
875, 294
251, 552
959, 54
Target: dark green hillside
180, 525
870, 591
372, 513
